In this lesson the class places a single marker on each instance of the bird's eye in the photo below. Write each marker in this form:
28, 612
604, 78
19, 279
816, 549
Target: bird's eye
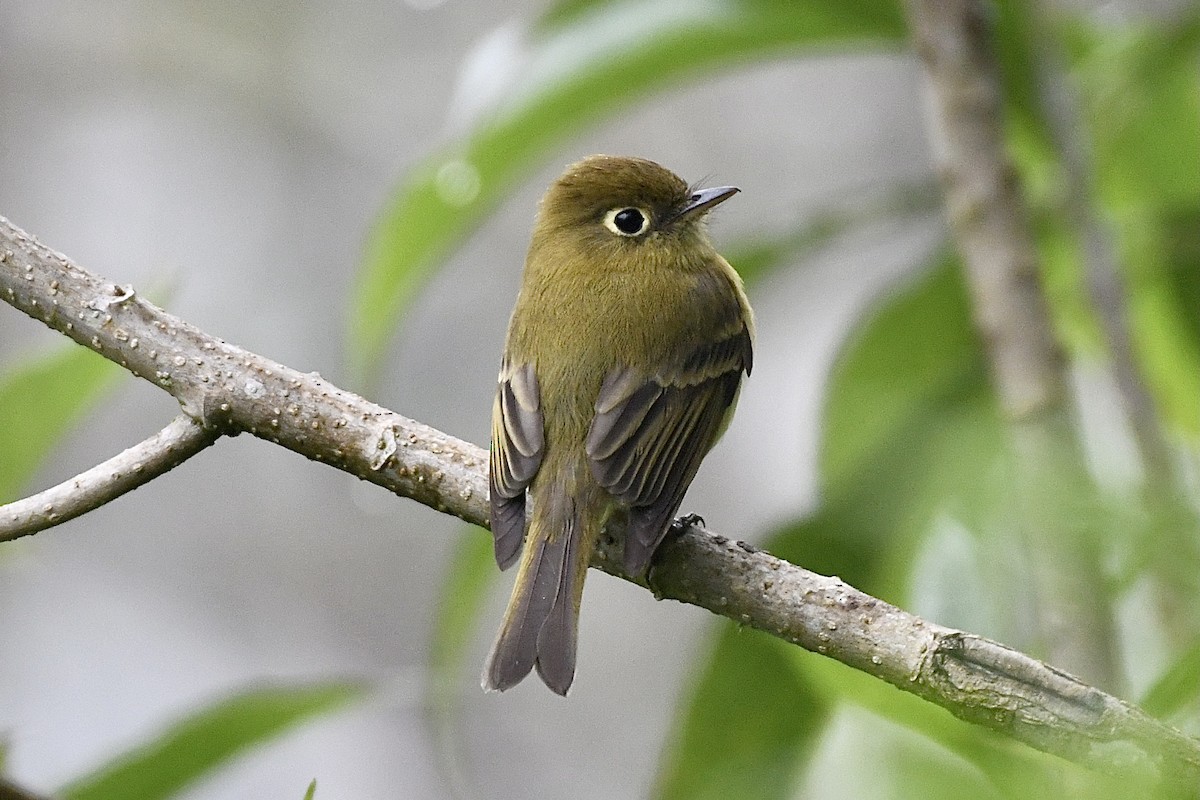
627, 221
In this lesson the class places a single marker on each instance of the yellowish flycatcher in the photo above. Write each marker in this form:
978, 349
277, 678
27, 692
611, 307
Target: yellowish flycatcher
623, 361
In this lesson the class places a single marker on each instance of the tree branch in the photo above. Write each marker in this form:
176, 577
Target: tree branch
103, 483
990, 222
230, 389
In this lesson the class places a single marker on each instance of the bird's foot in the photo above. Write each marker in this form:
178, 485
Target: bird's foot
679, 526
684, 522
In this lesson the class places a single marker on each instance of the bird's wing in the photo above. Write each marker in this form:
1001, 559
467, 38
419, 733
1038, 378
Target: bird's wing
518, 443
649, 434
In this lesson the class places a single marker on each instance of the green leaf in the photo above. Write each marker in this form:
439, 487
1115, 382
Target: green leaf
917, 348
1140, 90
1142, 100
208, 739
909, 427
1140, 103
912, 437
471, 572
1181, 232
919, 769
469, 575
1013, 769
870, 530
1177, 688
747, 726
581, 65
312, 790
39, 402
1167, 350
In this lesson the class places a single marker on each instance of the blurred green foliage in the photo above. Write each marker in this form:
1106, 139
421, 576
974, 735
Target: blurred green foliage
471, 572
750, 725
1141, 109
39, 402
209, 738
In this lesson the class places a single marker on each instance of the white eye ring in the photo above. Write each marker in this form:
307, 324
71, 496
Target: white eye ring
621, 221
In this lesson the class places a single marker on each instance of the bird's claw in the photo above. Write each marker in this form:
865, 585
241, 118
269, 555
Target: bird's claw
685, 521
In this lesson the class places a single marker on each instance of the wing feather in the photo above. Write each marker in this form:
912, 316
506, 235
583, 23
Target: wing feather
518, 444
611, 429
649, 434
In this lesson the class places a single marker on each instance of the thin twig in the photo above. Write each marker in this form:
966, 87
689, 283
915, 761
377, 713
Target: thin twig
103, 483
976, 679
1060, 107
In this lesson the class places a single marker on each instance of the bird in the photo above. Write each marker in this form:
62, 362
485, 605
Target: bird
623, 361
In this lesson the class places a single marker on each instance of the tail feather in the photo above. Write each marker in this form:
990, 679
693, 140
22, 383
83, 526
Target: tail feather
557, 638
539, 627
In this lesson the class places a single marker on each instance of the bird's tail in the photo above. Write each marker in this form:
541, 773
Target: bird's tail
540, 623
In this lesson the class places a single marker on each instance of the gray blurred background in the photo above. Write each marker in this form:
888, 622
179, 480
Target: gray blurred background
231, 157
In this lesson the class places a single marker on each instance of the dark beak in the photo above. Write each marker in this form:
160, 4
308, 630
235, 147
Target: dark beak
704, 199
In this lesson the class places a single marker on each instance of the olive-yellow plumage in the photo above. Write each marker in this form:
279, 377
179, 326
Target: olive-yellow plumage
623, 361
